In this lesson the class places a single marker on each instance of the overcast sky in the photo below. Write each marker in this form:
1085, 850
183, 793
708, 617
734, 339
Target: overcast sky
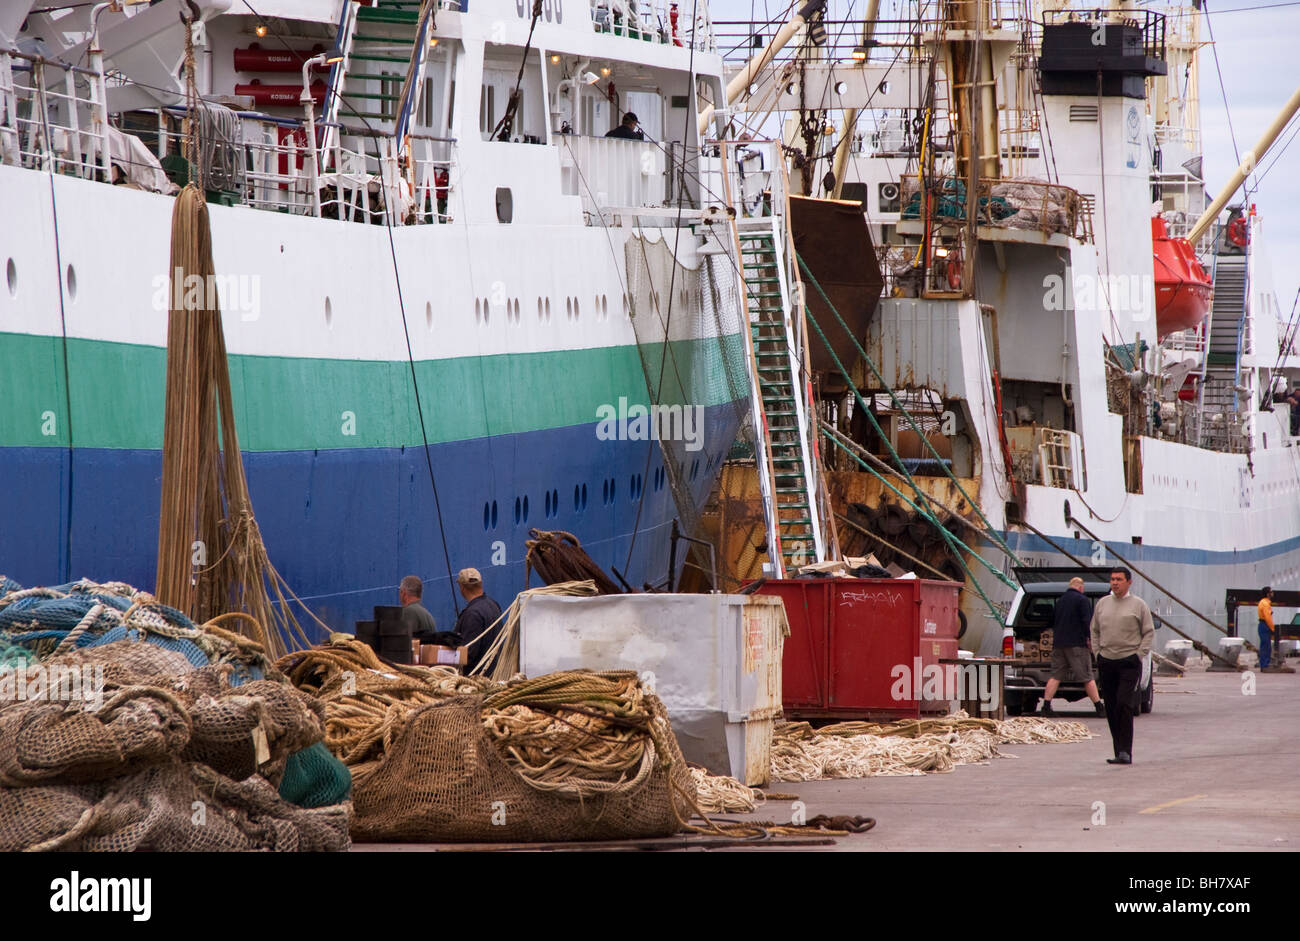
1258, 45
1259, 53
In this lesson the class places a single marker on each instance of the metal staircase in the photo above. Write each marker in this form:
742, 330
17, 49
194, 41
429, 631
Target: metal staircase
378, 80
786, 463
1219, 396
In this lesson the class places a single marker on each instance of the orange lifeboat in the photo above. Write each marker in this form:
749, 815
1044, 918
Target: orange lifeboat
1183, 289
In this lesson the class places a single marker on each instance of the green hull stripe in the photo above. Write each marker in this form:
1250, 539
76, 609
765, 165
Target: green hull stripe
285, 403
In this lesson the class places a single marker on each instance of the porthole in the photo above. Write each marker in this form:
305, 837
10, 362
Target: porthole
576, 310
568, 308
525, 508
11, 277
518, 508
478, 310
428, 314
505, 205
548, 310
487, 515
577, 498
329, 313
540, 311
494, 514
487, 311
72, 283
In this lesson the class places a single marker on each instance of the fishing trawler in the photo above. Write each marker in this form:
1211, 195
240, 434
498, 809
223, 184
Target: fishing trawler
1077, 354
455, 310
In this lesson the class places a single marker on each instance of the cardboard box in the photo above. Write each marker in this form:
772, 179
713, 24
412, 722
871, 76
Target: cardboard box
435, 655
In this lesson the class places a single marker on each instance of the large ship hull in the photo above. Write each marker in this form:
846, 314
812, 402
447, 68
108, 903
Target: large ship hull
519, 337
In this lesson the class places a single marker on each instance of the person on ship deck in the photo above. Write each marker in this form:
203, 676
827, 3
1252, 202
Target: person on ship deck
628, 130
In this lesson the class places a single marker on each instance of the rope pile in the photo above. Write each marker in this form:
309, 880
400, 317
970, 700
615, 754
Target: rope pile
910, 747
558, 556
719, 794
436, 756
578, 733
367, 700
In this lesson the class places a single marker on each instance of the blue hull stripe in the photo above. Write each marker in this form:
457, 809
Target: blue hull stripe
344, 526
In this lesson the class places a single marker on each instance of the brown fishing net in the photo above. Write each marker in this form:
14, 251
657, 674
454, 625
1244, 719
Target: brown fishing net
439, 757
163, 756
446, 780
170, 807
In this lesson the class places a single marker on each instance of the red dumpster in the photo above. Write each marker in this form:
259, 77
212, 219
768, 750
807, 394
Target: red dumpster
865, 647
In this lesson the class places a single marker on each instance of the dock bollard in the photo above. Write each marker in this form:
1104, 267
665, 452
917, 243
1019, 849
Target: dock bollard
1230, 650
1176, 650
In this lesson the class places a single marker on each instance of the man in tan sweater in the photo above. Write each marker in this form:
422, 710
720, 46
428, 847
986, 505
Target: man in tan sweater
1122, 634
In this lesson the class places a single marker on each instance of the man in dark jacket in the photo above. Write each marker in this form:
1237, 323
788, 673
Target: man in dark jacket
1072, 646
479, 614
628, 130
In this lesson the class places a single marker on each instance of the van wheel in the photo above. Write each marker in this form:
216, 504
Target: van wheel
1028, 703
1149, 695
1013, 703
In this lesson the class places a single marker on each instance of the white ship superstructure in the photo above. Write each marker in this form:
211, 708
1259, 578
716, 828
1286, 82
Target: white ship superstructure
403, 196
1010, 160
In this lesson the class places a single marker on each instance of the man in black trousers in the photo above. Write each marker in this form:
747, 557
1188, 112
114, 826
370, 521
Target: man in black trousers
1122, 634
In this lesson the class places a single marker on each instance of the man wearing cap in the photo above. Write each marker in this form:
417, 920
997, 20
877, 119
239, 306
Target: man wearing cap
628, 130
479, 614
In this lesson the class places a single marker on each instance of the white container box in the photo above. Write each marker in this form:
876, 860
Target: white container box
714, 660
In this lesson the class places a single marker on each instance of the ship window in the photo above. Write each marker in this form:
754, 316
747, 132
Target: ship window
72, 282
428, 314
494, 514
505, 205
487, 113
11, 276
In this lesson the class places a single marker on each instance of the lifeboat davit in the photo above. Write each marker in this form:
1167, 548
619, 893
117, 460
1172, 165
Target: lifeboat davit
1183, 289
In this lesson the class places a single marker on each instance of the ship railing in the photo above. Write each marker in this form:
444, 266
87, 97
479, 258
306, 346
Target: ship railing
658, 21
364, 172
276, 176
738, 41
742, 175
1151, 24
1189, 137
53, 117
433, 162
614, 173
